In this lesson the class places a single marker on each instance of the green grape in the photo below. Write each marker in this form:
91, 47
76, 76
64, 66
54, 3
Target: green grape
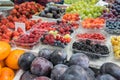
86, 9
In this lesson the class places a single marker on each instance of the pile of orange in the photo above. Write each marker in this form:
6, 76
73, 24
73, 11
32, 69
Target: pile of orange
8, 61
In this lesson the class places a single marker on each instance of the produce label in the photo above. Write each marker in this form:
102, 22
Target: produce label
20, 25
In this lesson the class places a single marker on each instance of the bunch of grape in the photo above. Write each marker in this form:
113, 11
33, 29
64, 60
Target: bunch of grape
86, 9
114, 11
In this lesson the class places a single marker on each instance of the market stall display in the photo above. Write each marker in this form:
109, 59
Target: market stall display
113, 26
52, 12
54, 42
116, 46
71, 1
113, 11
86, 9
26, 9
92, 49
93, 23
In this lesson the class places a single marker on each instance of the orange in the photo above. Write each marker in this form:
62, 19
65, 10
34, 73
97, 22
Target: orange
5, 49
7, 74
2, 64
0, 69
12, 59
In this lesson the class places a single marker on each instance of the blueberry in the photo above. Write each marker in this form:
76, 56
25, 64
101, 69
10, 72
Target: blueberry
71, 31
49, 15
42, 14
46, 10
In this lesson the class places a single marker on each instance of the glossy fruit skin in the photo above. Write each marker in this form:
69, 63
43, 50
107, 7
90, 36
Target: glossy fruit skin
42, 78
90, 73
105, 77
57, 71
74, 72
45, 53
12, 59
27, 76
112, 69
58, 57
5, 49
2, 64
25, 60
0, 69
41, 66
79, 59
7, 74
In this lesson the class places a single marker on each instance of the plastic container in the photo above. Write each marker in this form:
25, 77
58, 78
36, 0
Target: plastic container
115, 41
92, 32
4, 12
112, 31
22, 42
93, 24
44, 18
24, 45
113, 26
90, 53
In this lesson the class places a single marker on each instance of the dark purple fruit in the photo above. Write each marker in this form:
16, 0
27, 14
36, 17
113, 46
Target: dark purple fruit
57, 71
112, 69
74, 72
45, 53
79, 59
27, 76
105, 77
41, 66
58, 57
25, 60
90, 73
42, 78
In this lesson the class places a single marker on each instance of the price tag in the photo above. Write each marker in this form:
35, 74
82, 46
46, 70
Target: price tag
101, 3
20, 25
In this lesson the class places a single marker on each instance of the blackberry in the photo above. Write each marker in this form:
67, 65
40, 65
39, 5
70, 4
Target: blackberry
71, 31
88, 42
91, 48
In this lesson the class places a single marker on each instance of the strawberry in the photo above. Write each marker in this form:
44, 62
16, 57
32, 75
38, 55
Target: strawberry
19, 30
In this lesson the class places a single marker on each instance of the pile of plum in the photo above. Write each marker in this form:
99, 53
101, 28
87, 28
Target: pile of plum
53, 65
52, 12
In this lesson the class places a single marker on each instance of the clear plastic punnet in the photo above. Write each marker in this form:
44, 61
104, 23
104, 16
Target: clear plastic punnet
93, 24
113, 26
95, 36
115, 41
91, 49
29, 39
